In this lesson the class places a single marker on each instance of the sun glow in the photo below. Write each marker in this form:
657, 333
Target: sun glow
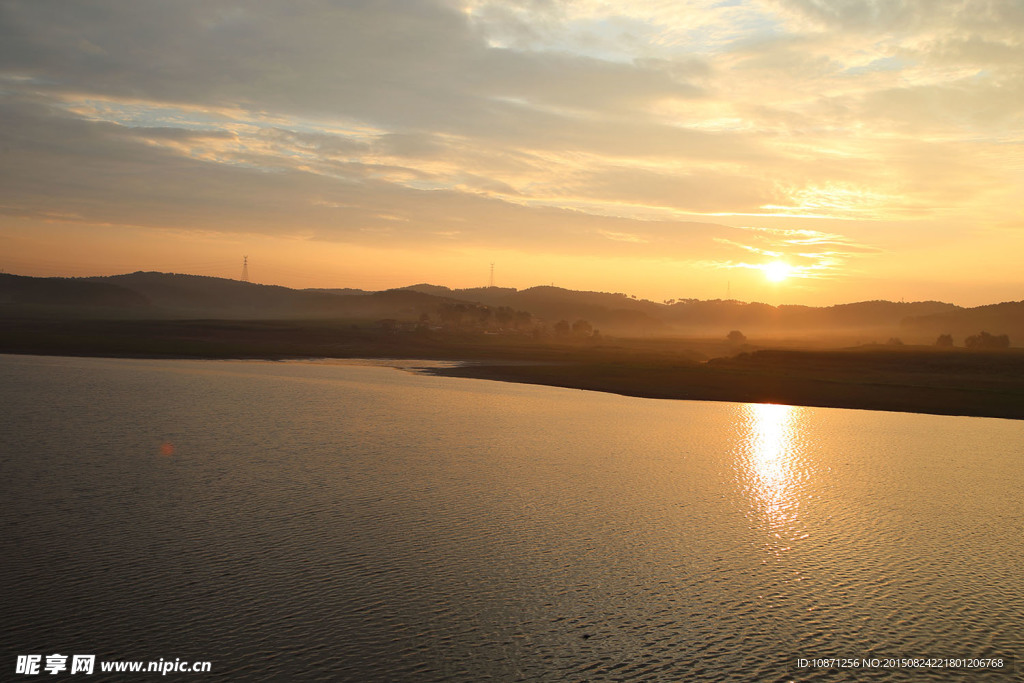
777, 271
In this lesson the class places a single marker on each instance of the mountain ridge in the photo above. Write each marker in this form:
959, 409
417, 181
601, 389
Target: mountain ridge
174, 295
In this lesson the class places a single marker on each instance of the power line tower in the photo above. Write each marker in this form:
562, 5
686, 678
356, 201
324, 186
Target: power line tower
492, 275
245, 269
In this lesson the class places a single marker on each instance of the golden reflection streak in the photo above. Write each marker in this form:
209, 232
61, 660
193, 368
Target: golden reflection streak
768, 464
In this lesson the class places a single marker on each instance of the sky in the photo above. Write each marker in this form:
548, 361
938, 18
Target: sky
784, 151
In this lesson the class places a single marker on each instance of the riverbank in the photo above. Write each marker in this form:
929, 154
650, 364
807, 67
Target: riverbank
897, 392
905, 379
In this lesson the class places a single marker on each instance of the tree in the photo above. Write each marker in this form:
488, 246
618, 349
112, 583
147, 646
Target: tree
895, 341
562, 328
736, 337
984, 341
505, 317
945, 341
582, 328
452, 315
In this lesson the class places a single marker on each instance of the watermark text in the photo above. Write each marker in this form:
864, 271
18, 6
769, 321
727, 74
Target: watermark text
56, 663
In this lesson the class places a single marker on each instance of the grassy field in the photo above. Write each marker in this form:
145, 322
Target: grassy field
975, 384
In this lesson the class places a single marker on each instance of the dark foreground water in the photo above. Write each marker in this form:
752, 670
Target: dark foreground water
302, 522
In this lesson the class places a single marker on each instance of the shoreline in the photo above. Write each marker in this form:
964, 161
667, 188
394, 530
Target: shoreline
696, 384
914, 379
666, 381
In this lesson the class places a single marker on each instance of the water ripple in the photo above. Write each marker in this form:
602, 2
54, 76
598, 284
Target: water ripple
356, 523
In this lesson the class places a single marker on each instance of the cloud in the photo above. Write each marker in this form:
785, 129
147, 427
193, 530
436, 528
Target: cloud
399, 63
99, 163
699, 191
61, 168
909, 15
809, 253
570, 127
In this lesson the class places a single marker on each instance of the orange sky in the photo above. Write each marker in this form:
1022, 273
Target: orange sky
663, 149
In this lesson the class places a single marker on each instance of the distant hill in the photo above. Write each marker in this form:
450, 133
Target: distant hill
622, 314
615, 313
344, 291
195, 295
1004, 318
18, 291
868, 313
436, 290
169, 295
175, 293
864, 316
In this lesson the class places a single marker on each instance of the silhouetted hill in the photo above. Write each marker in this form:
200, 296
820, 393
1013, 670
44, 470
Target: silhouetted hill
234, 299
1004, 318
864, 315
717, 315
436, 290
614, 313
621, 314
344, 291
868, 312
56, 294
168, 295
177, 294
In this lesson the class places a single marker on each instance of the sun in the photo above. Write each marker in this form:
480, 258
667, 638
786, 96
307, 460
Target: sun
777, 271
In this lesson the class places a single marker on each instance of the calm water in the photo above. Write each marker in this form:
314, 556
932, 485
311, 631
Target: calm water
300, 521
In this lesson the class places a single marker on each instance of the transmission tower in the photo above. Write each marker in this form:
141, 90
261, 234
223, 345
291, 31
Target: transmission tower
245, 269
492, 275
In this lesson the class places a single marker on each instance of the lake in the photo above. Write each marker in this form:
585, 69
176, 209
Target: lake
343, 521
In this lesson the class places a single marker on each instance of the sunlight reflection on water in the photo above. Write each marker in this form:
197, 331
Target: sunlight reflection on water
772, 470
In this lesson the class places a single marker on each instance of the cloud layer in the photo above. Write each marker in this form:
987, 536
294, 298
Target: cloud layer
698, 131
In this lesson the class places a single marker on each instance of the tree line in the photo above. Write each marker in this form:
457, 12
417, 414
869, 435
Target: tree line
983, 341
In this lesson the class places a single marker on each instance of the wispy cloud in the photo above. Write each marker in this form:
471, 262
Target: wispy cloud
540, 124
